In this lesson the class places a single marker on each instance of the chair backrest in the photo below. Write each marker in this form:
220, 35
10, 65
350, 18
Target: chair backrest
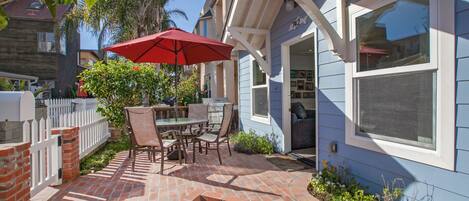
198, 111
226, 121
142, 125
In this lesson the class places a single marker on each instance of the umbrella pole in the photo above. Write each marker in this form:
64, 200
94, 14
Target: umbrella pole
176, 91
176, 79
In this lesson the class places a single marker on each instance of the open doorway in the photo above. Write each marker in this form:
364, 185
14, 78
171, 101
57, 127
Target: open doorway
300, 88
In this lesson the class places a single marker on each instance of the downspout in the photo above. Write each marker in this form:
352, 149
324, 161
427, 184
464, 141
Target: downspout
226, 20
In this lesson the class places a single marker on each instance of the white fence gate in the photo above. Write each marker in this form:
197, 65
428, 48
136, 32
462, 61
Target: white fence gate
93, 129
46, 155
57, 107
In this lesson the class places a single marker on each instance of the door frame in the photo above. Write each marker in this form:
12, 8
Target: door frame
286, 92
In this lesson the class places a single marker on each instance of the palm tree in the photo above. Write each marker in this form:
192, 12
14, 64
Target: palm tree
123, 19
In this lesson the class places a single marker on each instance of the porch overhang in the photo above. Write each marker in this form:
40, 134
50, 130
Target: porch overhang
248, 28
249, 23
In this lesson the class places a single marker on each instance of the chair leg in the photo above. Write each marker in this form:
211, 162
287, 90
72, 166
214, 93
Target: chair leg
207, 145
130, 152
154, 154
200, 147
149, 153
218, 152
193, 152
134, 156
179, 154
229, 149
162, 161
185, 152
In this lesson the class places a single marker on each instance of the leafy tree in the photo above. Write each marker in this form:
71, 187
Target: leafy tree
120, 83
187, 84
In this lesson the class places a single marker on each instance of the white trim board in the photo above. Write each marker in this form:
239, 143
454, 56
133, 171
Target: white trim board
264, 120
442, 59
286, 91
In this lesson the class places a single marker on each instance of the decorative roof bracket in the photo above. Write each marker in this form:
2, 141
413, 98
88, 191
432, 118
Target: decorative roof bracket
336, 42
235, 33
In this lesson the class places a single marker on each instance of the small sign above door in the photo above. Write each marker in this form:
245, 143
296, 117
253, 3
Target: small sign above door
298, 21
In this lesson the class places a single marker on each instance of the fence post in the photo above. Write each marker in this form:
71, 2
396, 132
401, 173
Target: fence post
70, 152
15, 172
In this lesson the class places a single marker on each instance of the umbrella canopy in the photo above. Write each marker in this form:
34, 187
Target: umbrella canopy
174, 46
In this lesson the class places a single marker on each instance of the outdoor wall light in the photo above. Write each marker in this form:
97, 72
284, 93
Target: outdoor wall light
290, 5
333, 147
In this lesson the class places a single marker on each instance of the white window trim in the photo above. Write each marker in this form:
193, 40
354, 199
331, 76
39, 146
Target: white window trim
442, 43
260, 119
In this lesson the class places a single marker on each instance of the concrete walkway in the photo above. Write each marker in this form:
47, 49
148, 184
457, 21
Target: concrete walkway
241, 177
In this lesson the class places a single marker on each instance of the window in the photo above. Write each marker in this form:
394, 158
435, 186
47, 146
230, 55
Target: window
401, 85
46, 43
205, 34
63, 44
260, 93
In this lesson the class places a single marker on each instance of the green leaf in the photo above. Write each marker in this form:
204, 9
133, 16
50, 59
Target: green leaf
90, 3
52, 6
3, 19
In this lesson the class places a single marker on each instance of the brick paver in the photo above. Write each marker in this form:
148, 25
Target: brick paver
241, 177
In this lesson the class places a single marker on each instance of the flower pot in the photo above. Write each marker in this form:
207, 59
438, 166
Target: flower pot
115, 133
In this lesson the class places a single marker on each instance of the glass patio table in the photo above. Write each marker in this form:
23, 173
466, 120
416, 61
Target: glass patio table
181, 124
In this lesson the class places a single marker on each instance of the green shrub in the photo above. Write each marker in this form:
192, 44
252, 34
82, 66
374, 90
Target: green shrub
121, 83
250, 143
101, 158
331, 184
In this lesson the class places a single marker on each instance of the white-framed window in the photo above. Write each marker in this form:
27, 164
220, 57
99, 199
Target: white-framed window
400, 87
46, 43
259, 93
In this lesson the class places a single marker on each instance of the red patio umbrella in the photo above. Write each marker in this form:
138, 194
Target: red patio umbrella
174, 46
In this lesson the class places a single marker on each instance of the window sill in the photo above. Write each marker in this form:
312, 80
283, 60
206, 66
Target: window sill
264, 120
437, 158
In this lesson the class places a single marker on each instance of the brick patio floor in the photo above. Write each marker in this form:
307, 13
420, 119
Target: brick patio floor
241, 177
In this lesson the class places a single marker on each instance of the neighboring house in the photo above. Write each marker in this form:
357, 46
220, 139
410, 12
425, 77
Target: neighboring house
390, 94
86, 58
29, 46
217, 79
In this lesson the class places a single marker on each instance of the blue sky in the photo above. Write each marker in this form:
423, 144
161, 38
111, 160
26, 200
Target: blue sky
191, 7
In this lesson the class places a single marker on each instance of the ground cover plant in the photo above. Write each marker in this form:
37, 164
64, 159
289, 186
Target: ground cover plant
333, 184
101, 158
251, 143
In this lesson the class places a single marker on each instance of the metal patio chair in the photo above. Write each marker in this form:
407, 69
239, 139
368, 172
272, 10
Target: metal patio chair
217, 137
145, 136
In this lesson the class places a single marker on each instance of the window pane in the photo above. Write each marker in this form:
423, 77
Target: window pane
258, 75
46, 42
259, 101
399, 108
394, 35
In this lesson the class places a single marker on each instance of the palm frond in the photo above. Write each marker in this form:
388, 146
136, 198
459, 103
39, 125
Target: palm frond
177, 12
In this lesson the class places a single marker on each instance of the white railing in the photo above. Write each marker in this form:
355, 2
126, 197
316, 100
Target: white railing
93, 129
46, 154
57, 107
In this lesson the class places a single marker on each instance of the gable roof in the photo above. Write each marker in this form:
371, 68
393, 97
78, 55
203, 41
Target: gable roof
208, 14
21, 9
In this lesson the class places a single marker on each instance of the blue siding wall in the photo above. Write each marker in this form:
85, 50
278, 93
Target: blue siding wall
371, 168
279, 34
246, 123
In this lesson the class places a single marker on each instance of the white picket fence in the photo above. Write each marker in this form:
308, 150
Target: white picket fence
46, 154
93, 129
57, 107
